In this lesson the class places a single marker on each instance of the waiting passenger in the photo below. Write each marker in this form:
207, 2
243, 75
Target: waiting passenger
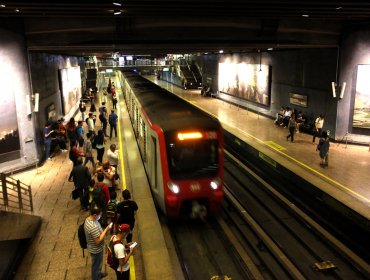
287, 115
323, 148
301, 119
126, 212
319, 123
280, 116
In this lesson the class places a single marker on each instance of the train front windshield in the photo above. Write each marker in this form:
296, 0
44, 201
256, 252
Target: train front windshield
193, 158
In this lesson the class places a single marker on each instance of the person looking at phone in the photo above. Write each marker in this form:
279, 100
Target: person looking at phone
95, 241
122, 252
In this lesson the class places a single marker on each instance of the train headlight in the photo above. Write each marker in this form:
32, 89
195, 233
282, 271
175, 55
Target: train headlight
216, 183
173, 188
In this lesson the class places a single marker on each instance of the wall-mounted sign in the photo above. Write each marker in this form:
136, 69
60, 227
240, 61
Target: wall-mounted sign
298, 99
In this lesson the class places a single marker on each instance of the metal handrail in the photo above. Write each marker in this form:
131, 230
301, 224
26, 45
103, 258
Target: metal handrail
15, 196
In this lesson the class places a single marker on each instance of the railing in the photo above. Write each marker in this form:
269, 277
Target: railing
14, 195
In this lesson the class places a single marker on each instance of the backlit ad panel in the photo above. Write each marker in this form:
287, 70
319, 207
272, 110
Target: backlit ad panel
9, 134
247, 81
361, 112
70, 83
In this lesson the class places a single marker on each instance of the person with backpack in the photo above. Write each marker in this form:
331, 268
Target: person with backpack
323, 148
112, 210
95, 236
81, 178
126, 212
119, 254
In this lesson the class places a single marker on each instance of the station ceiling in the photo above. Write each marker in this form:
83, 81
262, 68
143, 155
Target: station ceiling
143, 27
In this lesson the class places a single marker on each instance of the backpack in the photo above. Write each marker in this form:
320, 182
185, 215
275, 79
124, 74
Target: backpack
111, 209
98, 195
86, 120
112, 261
82, 237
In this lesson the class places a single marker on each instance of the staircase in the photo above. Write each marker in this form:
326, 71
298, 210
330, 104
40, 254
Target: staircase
18, 225
191, 74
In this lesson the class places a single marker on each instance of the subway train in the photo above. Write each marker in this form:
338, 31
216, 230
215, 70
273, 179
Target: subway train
181, 147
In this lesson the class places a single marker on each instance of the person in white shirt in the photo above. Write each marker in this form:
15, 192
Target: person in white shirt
113, 158
122, 252
90, 123
319, 123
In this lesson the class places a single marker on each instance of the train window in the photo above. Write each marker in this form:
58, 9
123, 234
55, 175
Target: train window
192, 158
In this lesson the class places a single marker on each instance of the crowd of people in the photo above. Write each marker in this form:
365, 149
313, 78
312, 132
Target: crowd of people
97, 183
293, 120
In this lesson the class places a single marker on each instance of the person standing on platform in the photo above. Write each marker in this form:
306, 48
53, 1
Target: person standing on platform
113, 157
47, 139
292, 127
81, 179
100, 145
122, 254
114, 102
80, 134
90, 123
319, 123
126, 212
82, 107
89, 150
113, 120
323, 148
95, 236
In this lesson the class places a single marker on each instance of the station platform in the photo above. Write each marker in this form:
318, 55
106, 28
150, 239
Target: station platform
346, 178
55, 252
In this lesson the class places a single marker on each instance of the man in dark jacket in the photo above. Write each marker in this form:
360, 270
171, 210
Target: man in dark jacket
126, 211
81, 179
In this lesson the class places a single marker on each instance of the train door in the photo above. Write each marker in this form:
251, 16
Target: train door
153, 164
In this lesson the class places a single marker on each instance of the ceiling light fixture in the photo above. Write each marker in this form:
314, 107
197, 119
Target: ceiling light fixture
117, 4
338, 8
221, 51
117, 13
17, 10
306, 16
2, 6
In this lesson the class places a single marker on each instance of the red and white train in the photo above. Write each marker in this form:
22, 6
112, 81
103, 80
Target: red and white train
181, 147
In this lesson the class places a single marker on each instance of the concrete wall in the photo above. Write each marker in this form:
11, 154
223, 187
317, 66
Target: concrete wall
45, 81
305, 71
355, 50
29, 74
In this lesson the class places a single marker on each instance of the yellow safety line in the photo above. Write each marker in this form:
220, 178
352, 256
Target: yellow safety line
123, 177
293, 159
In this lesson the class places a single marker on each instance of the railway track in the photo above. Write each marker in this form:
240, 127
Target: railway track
280, 240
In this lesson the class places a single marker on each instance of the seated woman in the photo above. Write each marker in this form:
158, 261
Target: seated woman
301, 119
280, 116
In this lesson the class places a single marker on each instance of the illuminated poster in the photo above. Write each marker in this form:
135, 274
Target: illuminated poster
246, 81
361, 112
9, 134
70, 82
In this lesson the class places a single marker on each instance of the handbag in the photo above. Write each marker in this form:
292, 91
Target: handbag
75, 194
